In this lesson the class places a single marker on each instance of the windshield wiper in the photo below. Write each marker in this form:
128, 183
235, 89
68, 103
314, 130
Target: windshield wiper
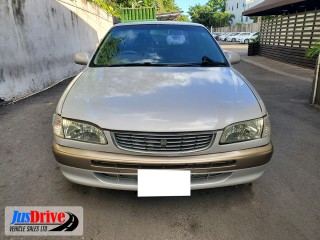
135, 64
205, 62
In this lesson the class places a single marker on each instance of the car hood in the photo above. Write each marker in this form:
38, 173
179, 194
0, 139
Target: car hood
161, 99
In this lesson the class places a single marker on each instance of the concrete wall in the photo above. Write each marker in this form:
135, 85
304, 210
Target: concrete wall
38, 39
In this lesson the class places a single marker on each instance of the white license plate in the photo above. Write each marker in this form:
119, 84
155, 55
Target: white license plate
160, 183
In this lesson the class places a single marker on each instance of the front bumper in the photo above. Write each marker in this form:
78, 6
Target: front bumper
119, 171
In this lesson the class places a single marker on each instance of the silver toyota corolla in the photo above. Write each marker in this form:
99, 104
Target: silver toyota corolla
160, 95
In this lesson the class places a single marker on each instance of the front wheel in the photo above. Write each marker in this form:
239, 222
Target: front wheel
246, 41
233, 40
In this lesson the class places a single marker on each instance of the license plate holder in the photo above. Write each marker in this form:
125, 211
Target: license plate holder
161, 183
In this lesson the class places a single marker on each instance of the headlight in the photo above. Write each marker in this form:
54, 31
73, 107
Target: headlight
247, 130
79, 131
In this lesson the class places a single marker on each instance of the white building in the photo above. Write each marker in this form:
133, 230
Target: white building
236, 7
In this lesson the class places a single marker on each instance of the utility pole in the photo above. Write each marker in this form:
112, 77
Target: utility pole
315, 96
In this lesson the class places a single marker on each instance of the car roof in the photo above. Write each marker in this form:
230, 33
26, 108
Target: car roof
159, 22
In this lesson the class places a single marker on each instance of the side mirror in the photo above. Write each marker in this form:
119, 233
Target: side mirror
82, 58
233, 57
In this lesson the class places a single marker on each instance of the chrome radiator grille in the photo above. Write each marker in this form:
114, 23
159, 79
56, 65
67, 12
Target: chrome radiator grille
163, 142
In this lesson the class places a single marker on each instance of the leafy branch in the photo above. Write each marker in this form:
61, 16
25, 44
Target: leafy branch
314, 50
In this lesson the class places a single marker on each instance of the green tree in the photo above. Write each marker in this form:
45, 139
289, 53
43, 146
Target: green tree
166, 6
113, 6
211, 14
217, 5
198, 13
107, 6
183, 18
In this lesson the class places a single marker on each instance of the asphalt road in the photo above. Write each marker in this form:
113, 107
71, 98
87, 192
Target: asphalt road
283, 204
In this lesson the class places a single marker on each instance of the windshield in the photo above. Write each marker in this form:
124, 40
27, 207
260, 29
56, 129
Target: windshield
158, 44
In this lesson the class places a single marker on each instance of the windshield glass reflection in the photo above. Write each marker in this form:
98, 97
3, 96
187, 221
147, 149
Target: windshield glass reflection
157, 44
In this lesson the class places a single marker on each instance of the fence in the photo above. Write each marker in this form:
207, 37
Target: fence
286, 38
138, 14
251, 27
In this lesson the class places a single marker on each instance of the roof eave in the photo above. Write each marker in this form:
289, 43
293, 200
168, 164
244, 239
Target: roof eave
266, 7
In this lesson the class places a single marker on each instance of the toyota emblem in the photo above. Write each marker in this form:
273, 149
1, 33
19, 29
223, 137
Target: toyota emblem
163, 142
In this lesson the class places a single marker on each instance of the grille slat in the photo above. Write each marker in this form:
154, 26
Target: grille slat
134, 178
163, 142
123, 166
131, 139
133, 147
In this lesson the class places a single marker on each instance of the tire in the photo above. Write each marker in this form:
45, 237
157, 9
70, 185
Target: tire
233, 40
246, 41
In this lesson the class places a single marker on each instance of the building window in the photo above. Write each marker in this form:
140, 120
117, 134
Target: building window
247, 19
237, 5
232, 8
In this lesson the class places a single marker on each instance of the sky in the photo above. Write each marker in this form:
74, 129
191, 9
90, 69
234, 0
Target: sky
184, 4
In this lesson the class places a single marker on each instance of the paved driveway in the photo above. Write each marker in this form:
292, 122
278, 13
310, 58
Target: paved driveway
283, 204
